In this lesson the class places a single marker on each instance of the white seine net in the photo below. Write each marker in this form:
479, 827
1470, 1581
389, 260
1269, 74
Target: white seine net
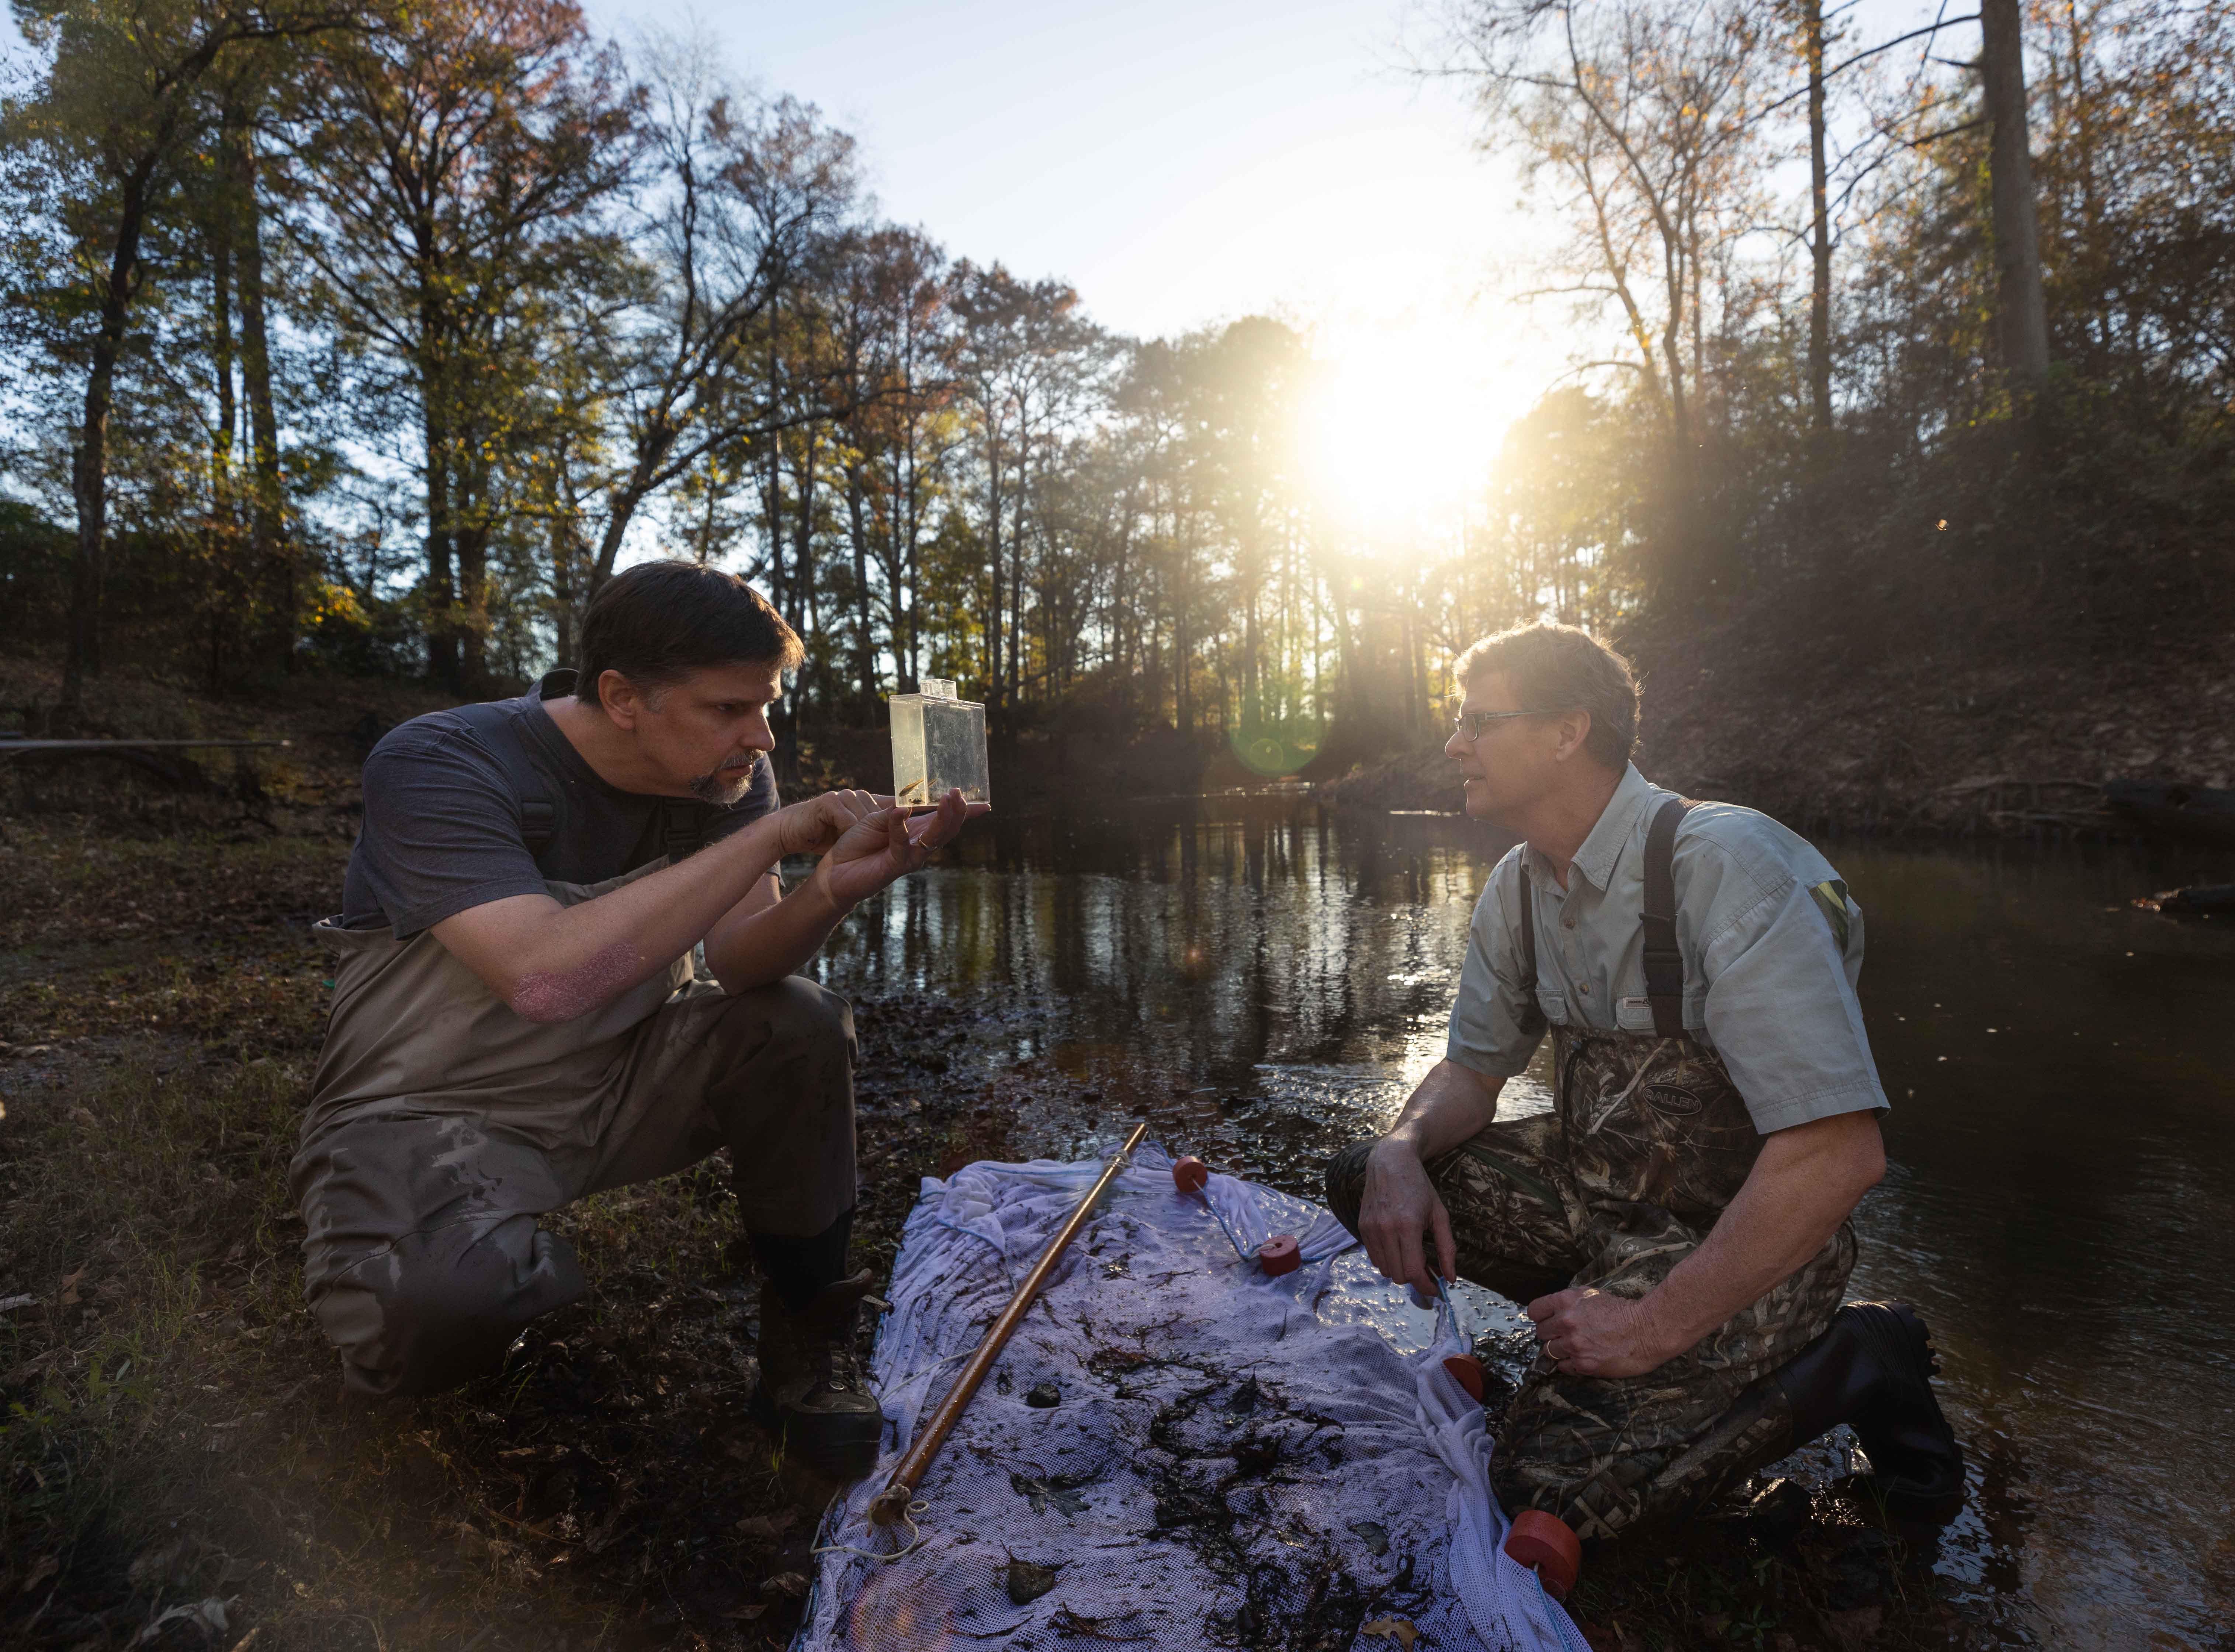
1174, 1452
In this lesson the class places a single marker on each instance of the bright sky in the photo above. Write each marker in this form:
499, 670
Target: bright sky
1182, 162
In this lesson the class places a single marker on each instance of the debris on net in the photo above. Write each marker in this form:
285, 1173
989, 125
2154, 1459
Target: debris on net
1177, 1451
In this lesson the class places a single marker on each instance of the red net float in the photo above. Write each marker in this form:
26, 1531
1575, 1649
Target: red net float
1543, 1543
1467, 1370
1190, 1174
1280, 1255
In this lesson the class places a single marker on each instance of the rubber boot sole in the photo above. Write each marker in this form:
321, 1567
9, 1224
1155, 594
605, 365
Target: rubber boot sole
840, 1445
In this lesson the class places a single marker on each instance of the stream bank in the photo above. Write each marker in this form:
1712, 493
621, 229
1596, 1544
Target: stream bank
1934, 741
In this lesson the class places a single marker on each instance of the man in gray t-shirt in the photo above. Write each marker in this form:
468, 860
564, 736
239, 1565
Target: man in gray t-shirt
518, 1020
1676, 1225
445, 823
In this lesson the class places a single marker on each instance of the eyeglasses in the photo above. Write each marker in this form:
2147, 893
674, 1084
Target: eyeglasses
1469, 725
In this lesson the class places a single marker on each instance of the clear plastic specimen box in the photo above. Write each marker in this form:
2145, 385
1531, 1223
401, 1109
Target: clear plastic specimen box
939, 743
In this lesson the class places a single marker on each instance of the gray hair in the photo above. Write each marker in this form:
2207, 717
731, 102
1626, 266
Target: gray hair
1559, 668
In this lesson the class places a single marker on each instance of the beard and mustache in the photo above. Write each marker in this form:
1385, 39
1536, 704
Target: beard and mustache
726, 787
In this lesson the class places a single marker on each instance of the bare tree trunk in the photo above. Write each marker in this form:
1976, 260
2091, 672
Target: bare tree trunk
220, 592
473, 600
2024, 312
269, 551
772, 485
864, 650
783, 720
228, 409
89, 461
1819, 239
908, 600
1253, 695
561, 522
442, 591
803, 539
1014, 700
996, 711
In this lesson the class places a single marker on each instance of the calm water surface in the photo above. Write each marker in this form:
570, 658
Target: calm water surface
1268, 982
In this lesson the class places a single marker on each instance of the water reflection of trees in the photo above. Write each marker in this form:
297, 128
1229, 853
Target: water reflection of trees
1214, 944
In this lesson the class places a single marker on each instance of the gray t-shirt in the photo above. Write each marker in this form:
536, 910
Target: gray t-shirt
453, 799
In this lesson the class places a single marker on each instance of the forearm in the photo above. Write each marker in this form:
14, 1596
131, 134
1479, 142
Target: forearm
772, 942
1806, 1183
1450, 1106
552, 962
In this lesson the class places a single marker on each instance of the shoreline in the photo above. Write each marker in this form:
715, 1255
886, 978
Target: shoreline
1925, 745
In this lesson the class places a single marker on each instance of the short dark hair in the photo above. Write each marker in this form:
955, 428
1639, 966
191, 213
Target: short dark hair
1558, 668
658, 622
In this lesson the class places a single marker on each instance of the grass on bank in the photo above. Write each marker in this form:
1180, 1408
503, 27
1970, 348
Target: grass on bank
174, 1433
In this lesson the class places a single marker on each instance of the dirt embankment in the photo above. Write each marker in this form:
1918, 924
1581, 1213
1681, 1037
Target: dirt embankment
1908, 741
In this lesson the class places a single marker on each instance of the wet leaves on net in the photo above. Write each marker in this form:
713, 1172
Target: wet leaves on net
1057, 1492
1027, 1582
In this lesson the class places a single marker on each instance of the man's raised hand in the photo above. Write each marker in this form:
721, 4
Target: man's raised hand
812, 825
885, 843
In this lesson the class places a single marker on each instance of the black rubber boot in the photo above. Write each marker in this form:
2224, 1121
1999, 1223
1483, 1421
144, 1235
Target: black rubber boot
1872, 1369
812, 1391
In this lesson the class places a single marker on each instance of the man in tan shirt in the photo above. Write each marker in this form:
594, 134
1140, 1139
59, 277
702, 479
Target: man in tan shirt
1677, 1223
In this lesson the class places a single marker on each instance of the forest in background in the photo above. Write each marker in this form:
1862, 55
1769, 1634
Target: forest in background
353, 339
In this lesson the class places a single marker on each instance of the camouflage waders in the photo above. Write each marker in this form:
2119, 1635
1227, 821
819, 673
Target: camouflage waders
1647, 1141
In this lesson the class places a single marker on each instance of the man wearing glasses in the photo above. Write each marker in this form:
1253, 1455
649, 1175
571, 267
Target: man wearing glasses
1677, 1223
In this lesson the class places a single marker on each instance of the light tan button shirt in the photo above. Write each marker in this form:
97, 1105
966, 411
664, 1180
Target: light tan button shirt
1773, 947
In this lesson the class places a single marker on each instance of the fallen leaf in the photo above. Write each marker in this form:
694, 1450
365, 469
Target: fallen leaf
1027, 1582
1375, 1539
208, 1616
1392, 1628
1054, 1492
41, 1569
69, 1298
790, 1584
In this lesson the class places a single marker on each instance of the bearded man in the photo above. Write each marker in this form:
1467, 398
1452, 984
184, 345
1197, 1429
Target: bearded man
518, 1020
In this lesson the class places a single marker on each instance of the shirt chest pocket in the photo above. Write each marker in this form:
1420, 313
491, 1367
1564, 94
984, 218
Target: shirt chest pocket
1555, 1006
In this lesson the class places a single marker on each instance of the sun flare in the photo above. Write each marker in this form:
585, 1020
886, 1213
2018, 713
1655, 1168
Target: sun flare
1404, 422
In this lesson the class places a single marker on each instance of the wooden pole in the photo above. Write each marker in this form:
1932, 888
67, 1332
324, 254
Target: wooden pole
889, 1504
1819, 237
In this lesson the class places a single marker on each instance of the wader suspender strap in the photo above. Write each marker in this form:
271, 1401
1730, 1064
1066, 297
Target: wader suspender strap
1532, 1013
682, 829
678, 826
1664, 963
539, 809
539, 824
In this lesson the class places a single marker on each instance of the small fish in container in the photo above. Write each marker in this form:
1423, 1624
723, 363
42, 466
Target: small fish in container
939, 746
